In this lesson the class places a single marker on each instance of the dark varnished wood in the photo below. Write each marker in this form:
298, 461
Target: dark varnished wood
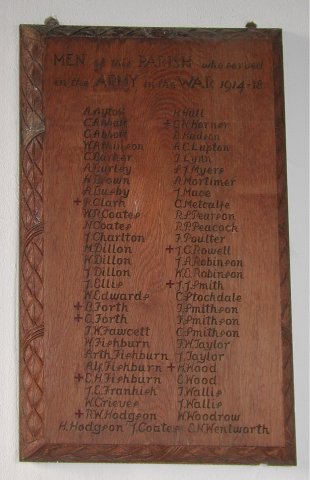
52, 224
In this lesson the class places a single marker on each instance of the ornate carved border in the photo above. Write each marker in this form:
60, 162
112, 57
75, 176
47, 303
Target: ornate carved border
163, 454
32, 444
283, 235
31, 241
53, 29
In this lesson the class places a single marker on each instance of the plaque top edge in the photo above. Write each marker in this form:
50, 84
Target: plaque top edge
55, 30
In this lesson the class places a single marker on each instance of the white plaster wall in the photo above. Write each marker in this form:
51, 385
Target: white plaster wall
292, 17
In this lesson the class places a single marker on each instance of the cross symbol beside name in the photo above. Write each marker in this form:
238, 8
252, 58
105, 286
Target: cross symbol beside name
78, 306
78, 377
77, 201
171, 366
78, 317
79, 413
167, 123
170, 283
170, 248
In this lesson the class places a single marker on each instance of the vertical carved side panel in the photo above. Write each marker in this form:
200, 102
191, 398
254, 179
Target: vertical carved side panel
286, 322
31, 241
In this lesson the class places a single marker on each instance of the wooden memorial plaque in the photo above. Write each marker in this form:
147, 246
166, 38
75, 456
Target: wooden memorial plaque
154, 300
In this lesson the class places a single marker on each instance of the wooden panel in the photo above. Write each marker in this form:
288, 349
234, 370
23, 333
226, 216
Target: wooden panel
155, 306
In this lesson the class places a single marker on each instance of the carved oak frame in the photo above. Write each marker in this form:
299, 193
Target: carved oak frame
33, 446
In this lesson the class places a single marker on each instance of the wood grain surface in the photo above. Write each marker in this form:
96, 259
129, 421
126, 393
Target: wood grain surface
154, 268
